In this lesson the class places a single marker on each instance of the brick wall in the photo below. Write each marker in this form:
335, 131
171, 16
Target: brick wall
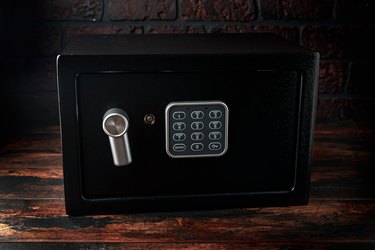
34, 32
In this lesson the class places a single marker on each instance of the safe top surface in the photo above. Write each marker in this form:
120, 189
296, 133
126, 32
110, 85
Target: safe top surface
180, 44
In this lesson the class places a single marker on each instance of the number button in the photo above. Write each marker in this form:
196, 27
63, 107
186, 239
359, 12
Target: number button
197, 115
179, 147
215, 125
197, 136
215, 135
179, 137
197, 125
179, 126
179, 115
214, 146
197, 146
215, 114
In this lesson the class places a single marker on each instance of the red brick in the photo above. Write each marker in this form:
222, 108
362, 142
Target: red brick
326, 40
216, 10
288, 32
331, 78
142, 9
88, 10
303, 9
355, 11
137, 30
98, 30
175, 29
340, 41
85, 10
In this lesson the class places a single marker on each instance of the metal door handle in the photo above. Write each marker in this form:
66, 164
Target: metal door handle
115, 125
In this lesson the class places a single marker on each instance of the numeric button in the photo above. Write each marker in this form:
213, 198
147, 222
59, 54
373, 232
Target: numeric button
197, 136
197, 114
215, 114
215, 135
197, 146
179, 115
197, 125
179, 126
179, 137
215, 125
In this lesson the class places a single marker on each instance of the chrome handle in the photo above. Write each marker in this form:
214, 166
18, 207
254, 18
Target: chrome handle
115, 125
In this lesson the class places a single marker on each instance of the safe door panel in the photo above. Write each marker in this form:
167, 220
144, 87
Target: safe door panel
262, 133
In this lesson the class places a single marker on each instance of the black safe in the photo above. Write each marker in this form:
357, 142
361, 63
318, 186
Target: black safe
181, 122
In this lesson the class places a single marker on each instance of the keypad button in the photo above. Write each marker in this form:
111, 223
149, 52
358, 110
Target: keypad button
197, 146
215, 135
179, 147
215, 125
179, 137
179, 115
197, 125
214, 146
197, 114
215, 114
179, 126
197, 136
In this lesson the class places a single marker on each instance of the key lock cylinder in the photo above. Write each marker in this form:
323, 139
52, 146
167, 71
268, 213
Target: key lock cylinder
116, 125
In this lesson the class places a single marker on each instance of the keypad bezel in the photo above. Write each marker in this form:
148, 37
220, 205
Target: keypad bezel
194, 106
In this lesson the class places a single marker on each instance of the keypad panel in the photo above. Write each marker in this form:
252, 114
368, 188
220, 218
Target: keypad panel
196, 129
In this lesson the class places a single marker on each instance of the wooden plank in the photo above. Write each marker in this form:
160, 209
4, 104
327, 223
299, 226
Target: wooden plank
343, 128
42, 220
26, 183
331, 150
31, 160
174, 245
48, 139
31, 175
42, 143
31, 181
31, 186
324, 153
343, 165
342, 169
49, 173
341, 213
36, 175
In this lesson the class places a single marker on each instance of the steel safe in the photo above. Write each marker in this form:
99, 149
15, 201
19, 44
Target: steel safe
182, 122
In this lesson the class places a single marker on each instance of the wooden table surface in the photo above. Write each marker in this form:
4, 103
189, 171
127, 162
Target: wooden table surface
341, 212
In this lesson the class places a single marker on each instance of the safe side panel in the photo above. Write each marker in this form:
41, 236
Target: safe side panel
262, 133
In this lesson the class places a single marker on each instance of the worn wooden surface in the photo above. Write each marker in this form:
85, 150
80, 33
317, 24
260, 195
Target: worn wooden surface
341, 213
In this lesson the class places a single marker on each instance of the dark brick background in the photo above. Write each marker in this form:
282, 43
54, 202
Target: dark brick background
34, 32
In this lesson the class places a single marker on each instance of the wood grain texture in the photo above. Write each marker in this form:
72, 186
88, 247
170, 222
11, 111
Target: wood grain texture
341, 212
34, 220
